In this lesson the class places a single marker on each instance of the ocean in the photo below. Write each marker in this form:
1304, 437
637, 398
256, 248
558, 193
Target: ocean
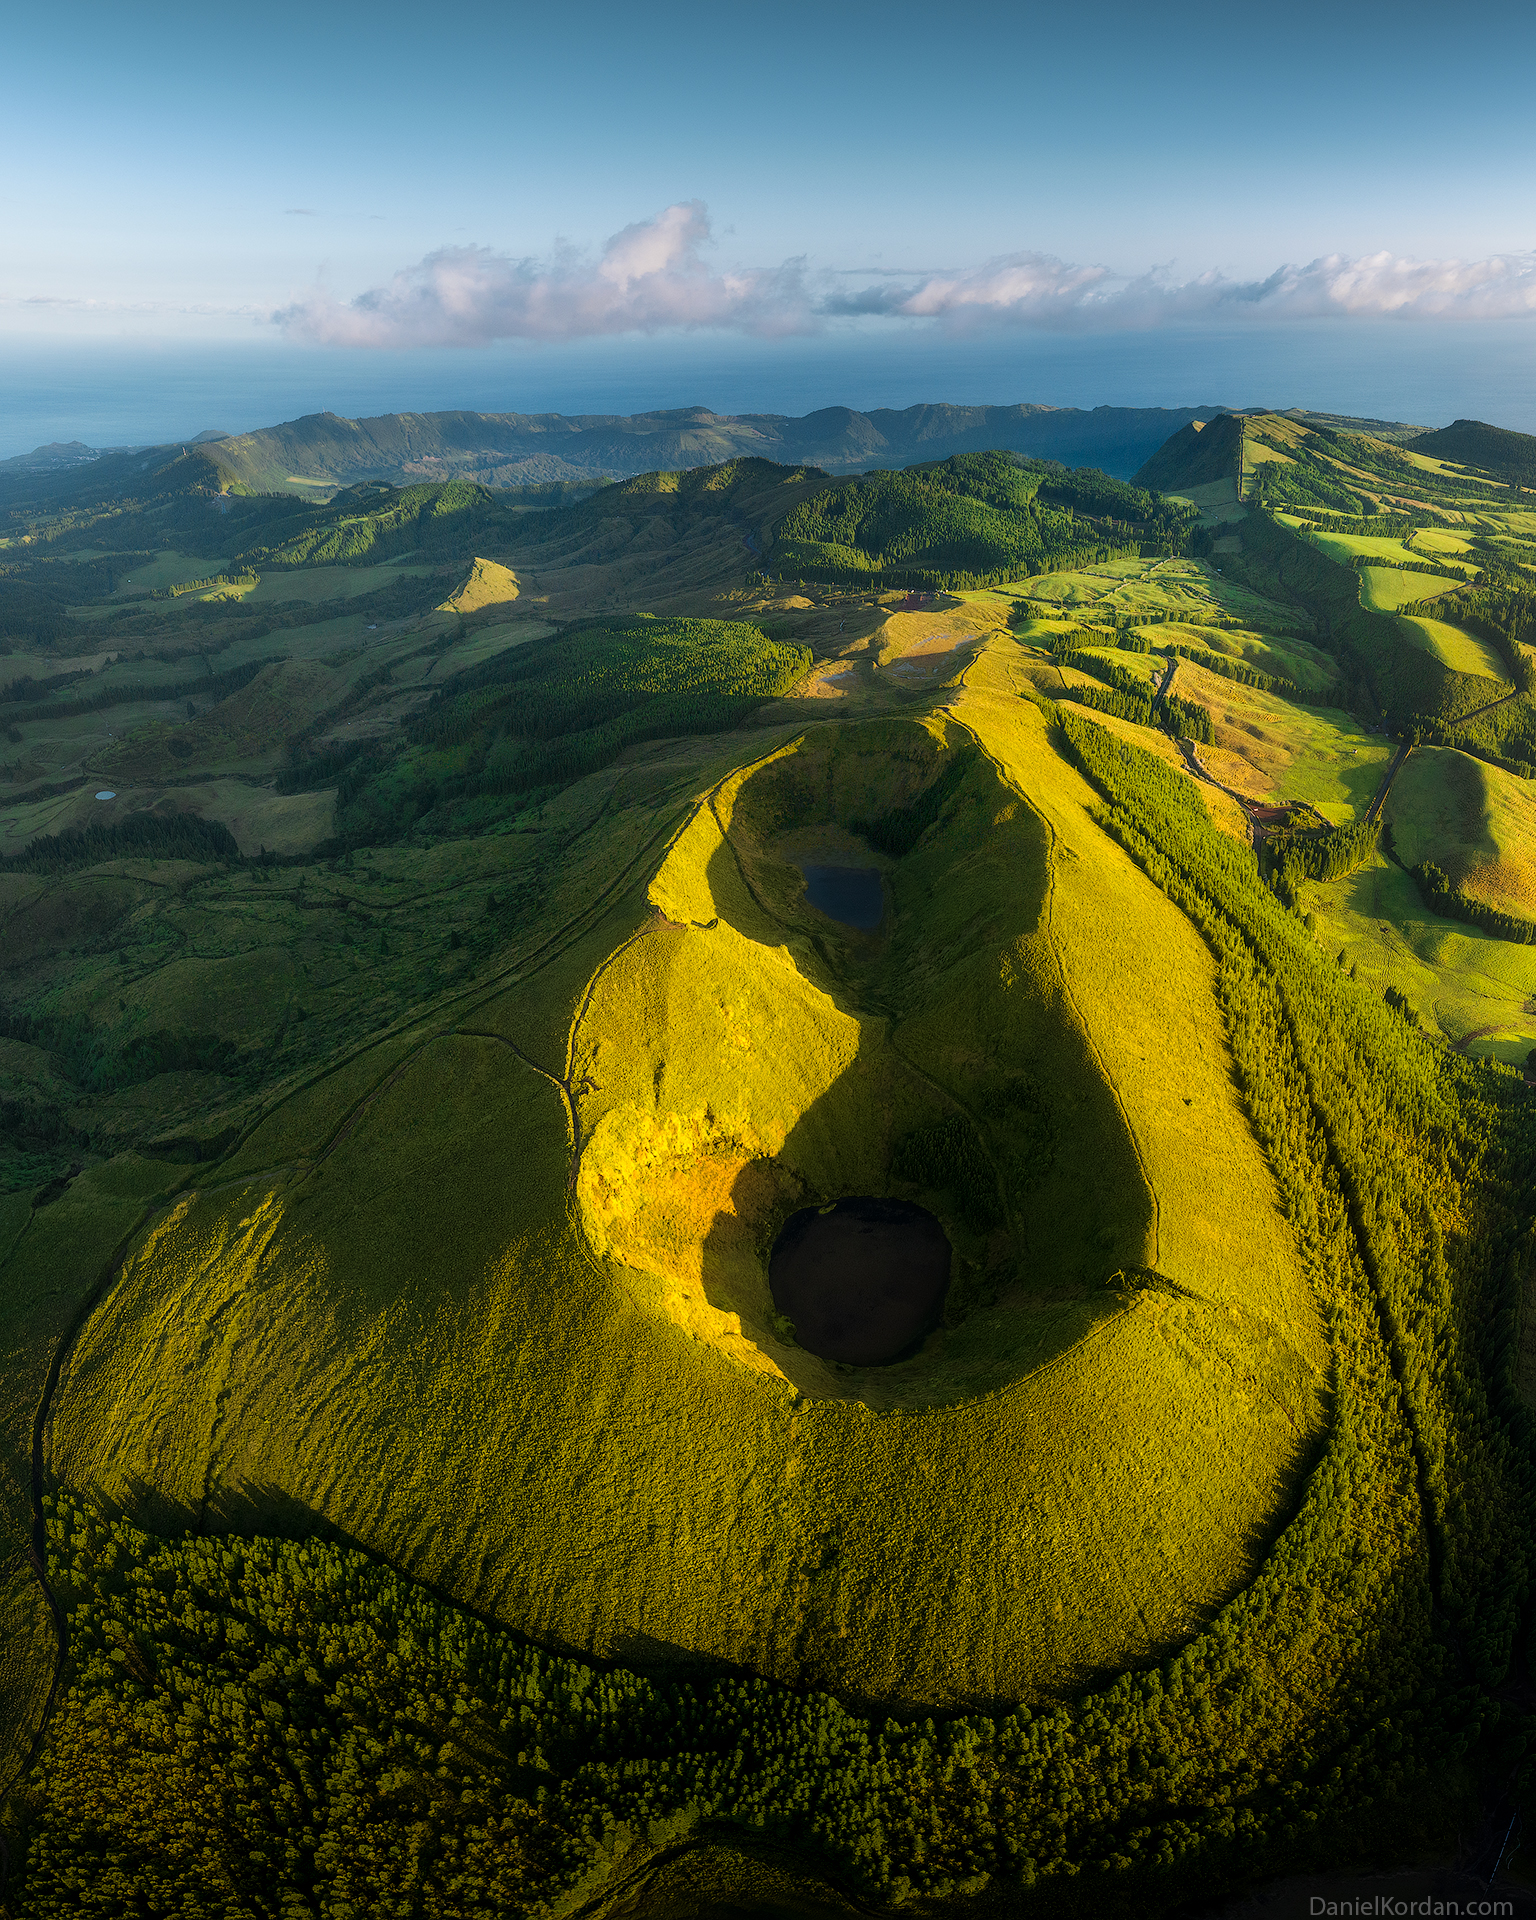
132, 394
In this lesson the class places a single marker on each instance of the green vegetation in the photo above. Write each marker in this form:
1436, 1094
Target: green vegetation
1290, 857
1129, 697
150, 836
626, 1766
1440, 896
1492, 450
1135, 707
970, 521
557, 710
415, 1033
1461, 651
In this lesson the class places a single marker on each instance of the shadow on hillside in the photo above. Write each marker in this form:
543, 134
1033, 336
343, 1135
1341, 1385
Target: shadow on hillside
974, 1092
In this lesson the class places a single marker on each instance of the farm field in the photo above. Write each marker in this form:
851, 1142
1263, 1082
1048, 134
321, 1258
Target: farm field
508, 924
1273, 748
1477, 991
1386, 589
1456, 647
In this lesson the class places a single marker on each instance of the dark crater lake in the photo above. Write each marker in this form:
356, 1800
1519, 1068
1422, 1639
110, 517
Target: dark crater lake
852, 895
863, 1282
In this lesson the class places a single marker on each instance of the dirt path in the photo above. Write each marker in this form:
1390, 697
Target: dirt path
1487, 707
1202, 772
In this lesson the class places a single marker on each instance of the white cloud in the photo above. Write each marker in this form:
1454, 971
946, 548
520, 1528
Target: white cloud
655, 277
1036, 290
650, 278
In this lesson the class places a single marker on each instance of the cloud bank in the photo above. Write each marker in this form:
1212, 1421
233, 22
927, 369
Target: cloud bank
1036, 290
650, 278
654, 277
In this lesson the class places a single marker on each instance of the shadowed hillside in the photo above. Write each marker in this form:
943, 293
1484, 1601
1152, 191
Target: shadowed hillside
1196, 455
1473, 443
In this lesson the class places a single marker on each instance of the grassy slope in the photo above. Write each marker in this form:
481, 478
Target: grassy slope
299, 1348
1476, 822
1385, 589
1477, 991
1463, 652
52, 1257
1194, 456
488, 585
1271, 748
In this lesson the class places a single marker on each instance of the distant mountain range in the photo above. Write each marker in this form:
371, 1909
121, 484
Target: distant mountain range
323, 451
519, 449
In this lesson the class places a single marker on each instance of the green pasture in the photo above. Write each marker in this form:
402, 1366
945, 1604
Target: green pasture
1438, 541
1287, 656
259, 818
1257, 451
1476, 990
330, 583
1069, 589
35, 663
1458, 649
1387, 588
1345, 547
484, 643
1176, 588
169, 569
1146, 667
1217, 501
1475, 822
1319, 755
21, 821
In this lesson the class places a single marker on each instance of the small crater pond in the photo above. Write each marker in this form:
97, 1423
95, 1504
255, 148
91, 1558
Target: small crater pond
862, 1282
852, 895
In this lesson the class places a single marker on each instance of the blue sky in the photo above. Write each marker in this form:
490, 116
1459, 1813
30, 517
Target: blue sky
393, 177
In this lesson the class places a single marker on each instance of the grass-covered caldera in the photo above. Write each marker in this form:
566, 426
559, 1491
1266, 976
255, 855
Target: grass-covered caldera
494, 1299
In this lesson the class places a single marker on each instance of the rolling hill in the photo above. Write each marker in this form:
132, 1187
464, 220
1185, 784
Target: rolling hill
1492, 450
456, 939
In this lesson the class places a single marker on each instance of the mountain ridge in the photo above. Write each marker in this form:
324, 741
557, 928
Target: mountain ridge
322, 452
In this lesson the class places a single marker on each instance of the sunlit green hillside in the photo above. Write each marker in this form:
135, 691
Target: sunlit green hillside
455, 939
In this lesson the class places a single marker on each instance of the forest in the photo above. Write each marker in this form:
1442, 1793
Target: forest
969, 521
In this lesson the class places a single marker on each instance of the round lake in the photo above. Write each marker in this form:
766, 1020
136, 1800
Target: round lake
862, 1282
852, 895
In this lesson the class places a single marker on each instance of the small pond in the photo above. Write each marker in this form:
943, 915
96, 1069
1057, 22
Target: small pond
852, 895
862, 1282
